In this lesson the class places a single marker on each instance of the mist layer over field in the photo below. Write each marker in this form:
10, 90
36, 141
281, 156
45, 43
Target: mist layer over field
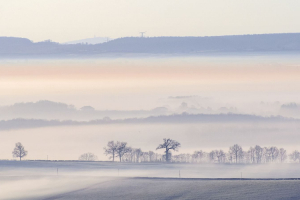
68, 143
237, 80
99, 180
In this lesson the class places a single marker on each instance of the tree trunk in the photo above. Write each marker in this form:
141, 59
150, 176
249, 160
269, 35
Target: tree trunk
113, 156
167, 155
120, 159
20, 158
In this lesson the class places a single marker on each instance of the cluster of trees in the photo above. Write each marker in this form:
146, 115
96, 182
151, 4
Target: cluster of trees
236, 154
88, 157
129, 154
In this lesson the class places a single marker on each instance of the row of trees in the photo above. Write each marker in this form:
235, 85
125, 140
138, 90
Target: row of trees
128, 154
236, 154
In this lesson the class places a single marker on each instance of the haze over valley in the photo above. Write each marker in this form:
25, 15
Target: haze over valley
152, 99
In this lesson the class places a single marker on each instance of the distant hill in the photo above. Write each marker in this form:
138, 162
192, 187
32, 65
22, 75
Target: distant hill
50, 110
95, 40
155, 45
178, 118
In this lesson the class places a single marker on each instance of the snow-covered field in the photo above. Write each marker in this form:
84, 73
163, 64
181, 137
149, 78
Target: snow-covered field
90, 188
107, 180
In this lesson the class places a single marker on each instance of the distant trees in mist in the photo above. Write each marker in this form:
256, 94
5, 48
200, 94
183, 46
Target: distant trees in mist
88, 157
118, 149
235, 154
129, 154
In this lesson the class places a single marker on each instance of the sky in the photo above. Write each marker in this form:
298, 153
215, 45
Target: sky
67, 20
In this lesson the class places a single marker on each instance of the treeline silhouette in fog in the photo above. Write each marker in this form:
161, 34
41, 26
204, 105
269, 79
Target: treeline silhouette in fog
49, 110
155, 45
234, 155
175, 118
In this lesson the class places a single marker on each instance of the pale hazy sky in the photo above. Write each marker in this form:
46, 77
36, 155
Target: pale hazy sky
65, 20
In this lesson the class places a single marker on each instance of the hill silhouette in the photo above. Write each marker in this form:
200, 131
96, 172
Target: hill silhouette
155, 45
21, 123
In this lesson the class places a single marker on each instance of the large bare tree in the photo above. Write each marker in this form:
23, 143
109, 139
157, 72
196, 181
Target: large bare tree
111, 149
19, 151
122, 149
168, 145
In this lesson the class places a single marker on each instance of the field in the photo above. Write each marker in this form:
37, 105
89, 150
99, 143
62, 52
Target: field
106, 180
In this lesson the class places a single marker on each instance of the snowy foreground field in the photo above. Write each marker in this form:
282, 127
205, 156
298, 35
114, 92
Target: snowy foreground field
106, 180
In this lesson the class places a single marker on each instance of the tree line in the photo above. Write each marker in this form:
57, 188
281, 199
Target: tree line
235, 154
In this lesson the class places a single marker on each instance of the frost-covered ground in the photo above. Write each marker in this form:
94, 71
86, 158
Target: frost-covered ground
186, 189
106, 180
170, 170
92, 188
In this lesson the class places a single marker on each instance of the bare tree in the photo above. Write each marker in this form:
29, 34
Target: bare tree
138, 153
251, 154
247, 157
198, 156
295, 156
19, 151
212, 156
145, 156
88, 157
221, 156
111, 149
258, 153
122, 149
127, 157
274, 153
168, 145
151, 156
282, 155
201, 156
237, 152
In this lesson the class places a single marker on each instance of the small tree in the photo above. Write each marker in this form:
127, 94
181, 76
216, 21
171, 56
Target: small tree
236, 151
151, 155
19, 151
111, 149
282, 155
168, 145
258, 153
88, 157
274, 153
138, 153
295, 156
